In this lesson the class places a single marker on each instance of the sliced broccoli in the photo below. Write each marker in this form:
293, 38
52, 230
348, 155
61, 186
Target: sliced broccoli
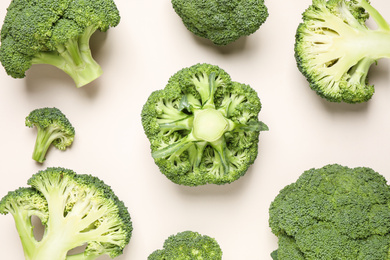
334, 48
75, 209
55, 32
203, 128
188, 245
221, 21
333, 212
53, 128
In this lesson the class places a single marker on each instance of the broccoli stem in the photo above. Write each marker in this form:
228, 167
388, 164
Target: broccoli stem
45, 136
25, 231
73, 57
378, 18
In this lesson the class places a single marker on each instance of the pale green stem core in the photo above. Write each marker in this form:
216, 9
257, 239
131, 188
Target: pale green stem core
209, 125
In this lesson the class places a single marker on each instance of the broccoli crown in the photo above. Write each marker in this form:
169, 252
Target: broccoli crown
334, 48
76, 209
53, 128
203, 128
54, 32
221, 21
188, 245
333, 212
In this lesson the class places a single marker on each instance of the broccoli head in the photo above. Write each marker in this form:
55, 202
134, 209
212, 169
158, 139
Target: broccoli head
203, 127
55, 32
188, 245
333, 212
221, 21
75, 209
334, 48
52, 128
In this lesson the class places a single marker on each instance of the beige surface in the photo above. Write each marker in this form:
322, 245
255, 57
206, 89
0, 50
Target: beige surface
149, 45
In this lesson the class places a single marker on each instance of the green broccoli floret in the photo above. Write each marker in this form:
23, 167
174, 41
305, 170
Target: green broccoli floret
55, 32
334, 48
188, 245
75, 209
221, 21
52, 128
203, 128
333, 212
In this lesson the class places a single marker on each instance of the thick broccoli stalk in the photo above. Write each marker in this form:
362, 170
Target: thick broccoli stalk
52, 128
221, 21
75, 209
334, 48
188, 245
203, 128
55, 32
333, 212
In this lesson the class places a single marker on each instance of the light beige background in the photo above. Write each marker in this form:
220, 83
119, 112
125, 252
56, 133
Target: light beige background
138, 56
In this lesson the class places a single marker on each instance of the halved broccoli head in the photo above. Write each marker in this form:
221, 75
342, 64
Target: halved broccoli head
188, 245
55, 32
53, 127
221, 21
334, 48
75, 209
333, 212
203, 128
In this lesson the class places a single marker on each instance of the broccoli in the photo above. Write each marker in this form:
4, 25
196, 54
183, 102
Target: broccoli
55, 32
221, 21
203, 127
75, 209
53, 128
334, 48
333, 212
188, 245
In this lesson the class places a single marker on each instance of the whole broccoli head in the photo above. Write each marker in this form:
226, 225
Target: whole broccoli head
75, 209
188, 245
203, 127
52, 128
221, 21
333, 212
55, 32
334, 48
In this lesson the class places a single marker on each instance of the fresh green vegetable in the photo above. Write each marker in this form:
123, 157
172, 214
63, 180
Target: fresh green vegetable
75, 209
334, 48
53, 128
188, 245
55, 32
203, 127
221, 21
333, 212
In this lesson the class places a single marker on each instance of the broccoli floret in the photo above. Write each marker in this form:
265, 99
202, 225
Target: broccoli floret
188, 245
334, 48
203, 128
52, 128
221, 21
333, 212
75, 209
55, 32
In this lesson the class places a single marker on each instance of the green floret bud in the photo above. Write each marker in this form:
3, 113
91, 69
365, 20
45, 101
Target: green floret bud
203, 128
55, 33
333, 212
221, 21
188, 245
53, 128
334, 48
75, 210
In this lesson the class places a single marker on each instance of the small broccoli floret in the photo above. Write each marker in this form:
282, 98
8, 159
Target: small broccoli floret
334, 48
188, 245
203, 128
221, 21
333, 212
55, 32
75, 209
53, 128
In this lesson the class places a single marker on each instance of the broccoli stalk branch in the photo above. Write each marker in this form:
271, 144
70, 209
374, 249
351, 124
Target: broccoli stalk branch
74, 57
45, 136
